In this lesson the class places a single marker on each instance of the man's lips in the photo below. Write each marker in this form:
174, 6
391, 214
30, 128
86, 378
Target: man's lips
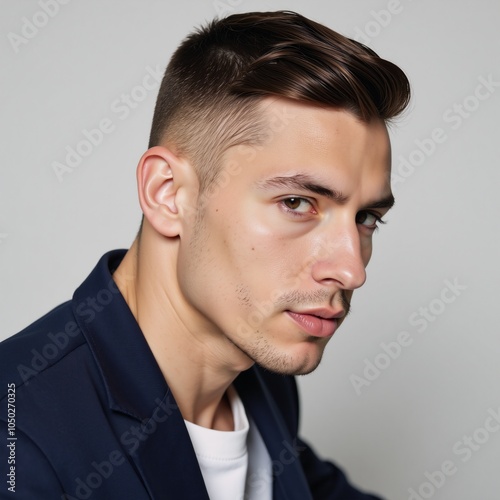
316, 325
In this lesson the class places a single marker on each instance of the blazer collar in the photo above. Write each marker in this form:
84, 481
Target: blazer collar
162, 452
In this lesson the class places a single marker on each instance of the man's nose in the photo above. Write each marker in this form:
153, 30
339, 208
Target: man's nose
341, 259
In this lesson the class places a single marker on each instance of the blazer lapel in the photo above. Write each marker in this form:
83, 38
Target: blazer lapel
166, 459
289, 480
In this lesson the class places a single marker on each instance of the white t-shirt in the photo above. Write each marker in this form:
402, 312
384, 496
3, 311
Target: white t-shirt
235, 465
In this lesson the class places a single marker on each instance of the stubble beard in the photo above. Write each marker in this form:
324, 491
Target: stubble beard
269, 357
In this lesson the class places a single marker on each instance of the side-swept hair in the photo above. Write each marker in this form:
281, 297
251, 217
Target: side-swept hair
208, 99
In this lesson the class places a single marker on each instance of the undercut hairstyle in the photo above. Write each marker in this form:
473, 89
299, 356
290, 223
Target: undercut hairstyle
209, 97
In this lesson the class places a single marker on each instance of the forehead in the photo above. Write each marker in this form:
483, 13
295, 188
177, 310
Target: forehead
332, 144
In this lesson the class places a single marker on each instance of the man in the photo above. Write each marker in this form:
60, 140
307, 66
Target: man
170, 372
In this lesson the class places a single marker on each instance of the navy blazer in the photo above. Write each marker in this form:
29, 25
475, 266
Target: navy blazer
91, 415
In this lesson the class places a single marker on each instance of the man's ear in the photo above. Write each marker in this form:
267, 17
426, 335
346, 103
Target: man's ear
163, 181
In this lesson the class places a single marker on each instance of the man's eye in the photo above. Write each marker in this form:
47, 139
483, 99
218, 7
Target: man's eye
368, 219
295, 204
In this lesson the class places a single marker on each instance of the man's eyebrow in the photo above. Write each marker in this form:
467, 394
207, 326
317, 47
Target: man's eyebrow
386, 202
303, 182
308, 183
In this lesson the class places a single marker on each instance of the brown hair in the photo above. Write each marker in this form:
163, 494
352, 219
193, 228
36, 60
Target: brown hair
209, 94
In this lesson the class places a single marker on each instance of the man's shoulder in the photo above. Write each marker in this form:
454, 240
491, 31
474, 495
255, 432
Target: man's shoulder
39, 346
50, 370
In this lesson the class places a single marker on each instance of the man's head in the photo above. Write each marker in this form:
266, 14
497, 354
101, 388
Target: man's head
209, 94
268, 170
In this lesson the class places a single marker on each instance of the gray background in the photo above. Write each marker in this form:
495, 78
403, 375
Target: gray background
68, 77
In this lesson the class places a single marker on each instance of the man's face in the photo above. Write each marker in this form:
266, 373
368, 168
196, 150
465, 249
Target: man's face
284, 239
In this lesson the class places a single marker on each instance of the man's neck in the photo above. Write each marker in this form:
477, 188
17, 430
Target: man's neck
191, 355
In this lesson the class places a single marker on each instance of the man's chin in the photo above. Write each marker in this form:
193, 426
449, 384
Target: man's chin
287, 365
300, 359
